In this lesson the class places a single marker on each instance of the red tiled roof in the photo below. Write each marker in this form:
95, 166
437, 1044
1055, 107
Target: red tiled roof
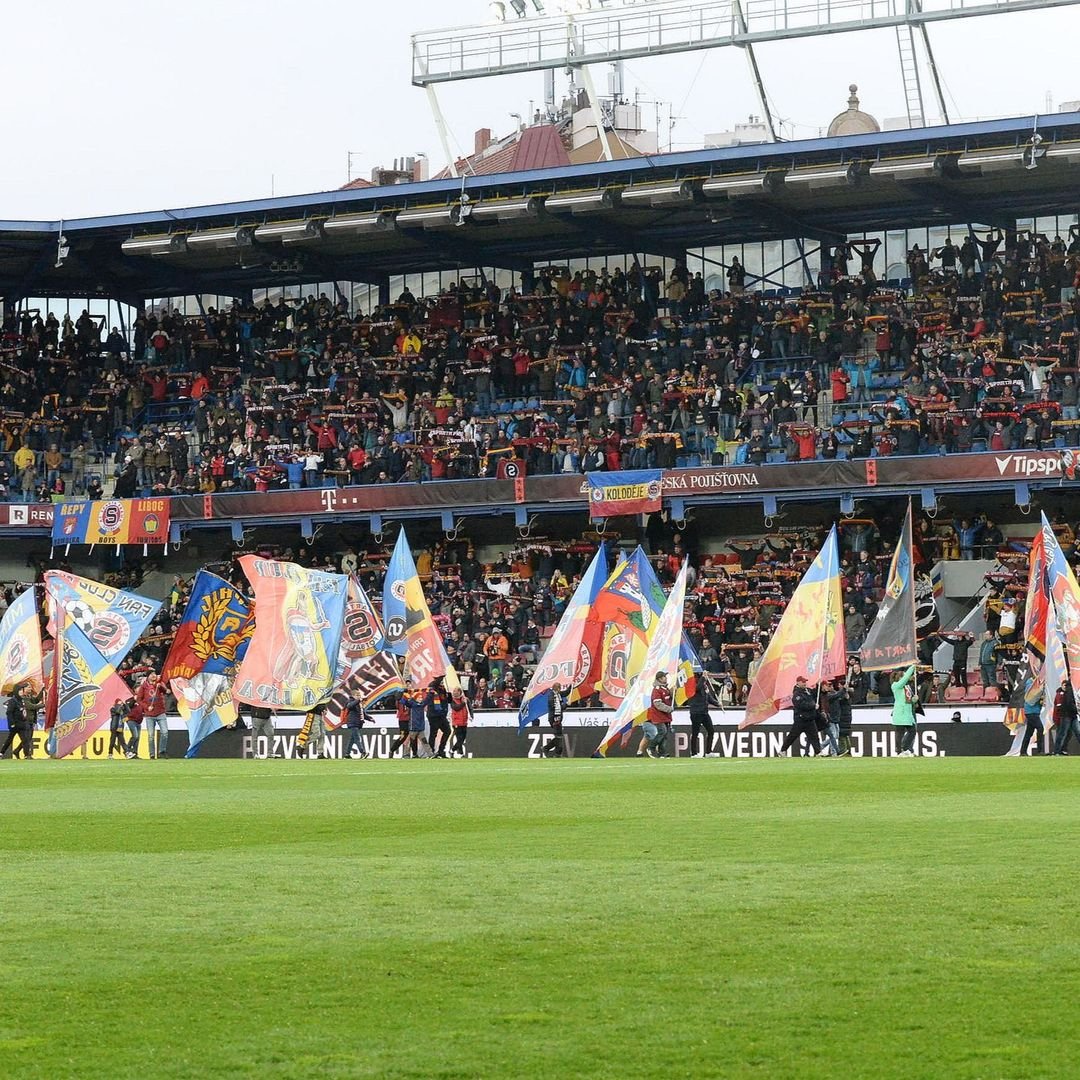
359, 182
537, 147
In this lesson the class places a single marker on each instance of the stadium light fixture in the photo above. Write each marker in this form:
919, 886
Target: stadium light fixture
290, 232
670, 193
991, 160
156, 244
430, 217
905, 169
506, 209
761, 183
357, 224
222, 239
1067, 152
498, 11
827, 177
583, 202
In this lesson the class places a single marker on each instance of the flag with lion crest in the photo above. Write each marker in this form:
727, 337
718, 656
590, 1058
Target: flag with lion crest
213, 635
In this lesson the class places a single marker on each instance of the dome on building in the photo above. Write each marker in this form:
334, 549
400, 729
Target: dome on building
852, 121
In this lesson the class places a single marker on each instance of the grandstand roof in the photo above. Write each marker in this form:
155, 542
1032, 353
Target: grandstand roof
960, 173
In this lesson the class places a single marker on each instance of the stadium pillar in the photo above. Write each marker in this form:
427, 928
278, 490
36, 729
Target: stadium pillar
384, 291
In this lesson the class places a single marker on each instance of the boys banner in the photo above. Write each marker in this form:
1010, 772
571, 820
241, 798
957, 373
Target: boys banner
612, 494
299, 615
113, 522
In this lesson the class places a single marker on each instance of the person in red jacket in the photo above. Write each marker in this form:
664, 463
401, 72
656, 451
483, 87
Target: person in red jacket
658, 719
150, 697
459, 721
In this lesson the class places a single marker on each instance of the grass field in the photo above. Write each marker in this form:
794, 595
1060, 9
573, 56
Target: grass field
894, 918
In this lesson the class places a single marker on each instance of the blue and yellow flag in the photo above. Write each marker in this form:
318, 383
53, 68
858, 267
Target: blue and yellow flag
891, 641
85, 688
291, 659
112, 620
20, 644
574, 647
205, 703
408, 625
809, 640
213, 634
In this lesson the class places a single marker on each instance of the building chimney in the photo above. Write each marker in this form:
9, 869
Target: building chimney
481, 140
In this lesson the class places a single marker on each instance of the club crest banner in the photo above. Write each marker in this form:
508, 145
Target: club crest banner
20, 644
111, 522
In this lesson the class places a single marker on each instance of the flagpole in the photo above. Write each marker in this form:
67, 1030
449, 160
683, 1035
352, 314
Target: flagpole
825, 621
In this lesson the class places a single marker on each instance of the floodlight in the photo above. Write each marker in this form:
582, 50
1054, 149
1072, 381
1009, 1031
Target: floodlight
761, 183
991, 160
290, 232
357, 224
506, 209
674, 191
156, 244
222, 239
826, 177
909, 168
582, 202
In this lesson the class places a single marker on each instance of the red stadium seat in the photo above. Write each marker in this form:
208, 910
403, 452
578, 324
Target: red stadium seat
955, 693
975, 693
991, 693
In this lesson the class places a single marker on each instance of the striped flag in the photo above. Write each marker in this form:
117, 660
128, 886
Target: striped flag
809, 640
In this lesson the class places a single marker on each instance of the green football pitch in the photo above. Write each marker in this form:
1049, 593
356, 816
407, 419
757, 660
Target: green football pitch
894, 918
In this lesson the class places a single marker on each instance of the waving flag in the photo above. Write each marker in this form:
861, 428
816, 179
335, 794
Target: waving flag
574, 647
362, 634
1065, 594
291, 660
20, 644
662, 656
1037, 604
371, 679
628, 607
205, 703
111, 620
409, 627
214, 632
86, 688
891, 642
809, 640
612, 494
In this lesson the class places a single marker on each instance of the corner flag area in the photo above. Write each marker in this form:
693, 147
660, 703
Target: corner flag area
575, 918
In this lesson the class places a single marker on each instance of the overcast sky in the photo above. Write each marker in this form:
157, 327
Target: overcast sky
123, 105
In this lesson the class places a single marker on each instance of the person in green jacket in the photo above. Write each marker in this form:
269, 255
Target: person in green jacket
903, 710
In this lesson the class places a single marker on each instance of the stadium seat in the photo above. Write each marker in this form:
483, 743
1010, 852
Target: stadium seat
991, 693
974, 693
955, 693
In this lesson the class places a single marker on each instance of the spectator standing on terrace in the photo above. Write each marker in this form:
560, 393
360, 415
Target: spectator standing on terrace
988, 659
24, 462
903, 713
150, 698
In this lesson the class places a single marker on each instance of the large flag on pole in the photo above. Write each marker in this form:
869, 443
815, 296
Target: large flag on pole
1065, 594
205, 703
809, 640
111, 620
891, 641
573, 648
409, 627
20, 644
86, 688
663, 655
214, 632
291, 660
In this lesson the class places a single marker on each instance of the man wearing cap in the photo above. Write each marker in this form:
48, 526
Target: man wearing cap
804, 710
658, 719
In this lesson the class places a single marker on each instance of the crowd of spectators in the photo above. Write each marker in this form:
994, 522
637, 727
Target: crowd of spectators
569, 372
